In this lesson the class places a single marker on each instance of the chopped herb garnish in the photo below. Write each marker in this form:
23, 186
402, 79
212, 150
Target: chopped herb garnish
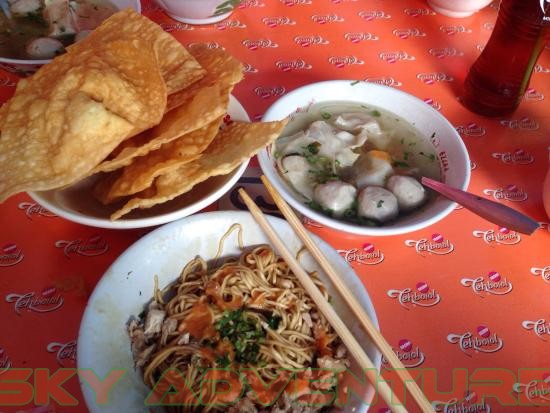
319, 208
401, 164
379, 203
402, 141
412, 143
433, 136
406, 155
326, 115
223, 361
273, 322
376, 113
354, 82
313, 148
430, 156
244, 332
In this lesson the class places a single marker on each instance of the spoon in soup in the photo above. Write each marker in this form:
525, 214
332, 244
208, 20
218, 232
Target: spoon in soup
492, 211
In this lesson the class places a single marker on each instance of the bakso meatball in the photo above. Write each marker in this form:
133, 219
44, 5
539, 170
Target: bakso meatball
335, 195
409, 192
372, 168
44, 48
377, 203
296, 170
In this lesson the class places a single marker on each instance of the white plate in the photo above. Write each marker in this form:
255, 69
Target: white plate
127, 285
76, 203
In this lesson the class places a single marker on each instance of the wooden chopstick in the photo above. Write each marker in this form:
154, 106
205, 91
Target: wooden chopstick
326, 309
345, 292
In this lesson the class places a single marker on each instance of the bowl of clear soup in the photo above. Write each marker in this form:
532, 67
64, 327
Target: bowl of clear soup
353, 153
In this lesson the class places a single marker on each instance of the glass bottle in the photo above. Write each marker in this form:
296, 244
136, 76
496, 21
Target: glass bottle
498, 79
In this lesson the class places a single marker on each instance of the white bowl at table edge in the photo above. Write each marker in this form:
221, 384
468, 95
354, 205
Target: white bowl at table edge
102, 339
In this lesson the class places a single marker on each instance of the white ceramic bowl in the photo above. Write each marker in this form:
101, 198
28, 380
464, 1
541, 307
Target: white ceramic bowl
24, 67
198, 11
103, 344
448, 145
76, 202
458, 8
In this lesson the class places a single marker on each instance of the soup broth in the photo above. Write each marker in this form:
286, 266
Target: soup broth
331, 152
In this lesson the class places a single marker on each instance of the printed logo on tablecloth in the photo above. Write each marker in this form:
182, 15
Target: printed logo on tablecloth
395, 56
422, 296
443, 52
259, 44
411, 356
291, 3
230, 24
343, 61
384, 80
541, 69
269, 92
306, 41
433, 103
370, 15
407, 33
293, 65
6, 81
517, 157
176, 27
543, 272
489, 26
418, 12
511, 193
244, 4
91, 247
540, 327
248, 68
208, 45
524, 123
278, 21
481, 341
10, 255
5, 362
537, 392
452, 30
32, 208
368, 254
492, 284
432, 78
502, 236
471, 129
64, 352
532, 94
468, 404
45, 302
327, 18
357, 37
436, 245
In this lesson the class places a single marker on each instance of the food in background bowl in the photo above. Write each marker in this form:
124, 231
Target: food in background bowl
357, 163
17, 34
405, 138
41, 29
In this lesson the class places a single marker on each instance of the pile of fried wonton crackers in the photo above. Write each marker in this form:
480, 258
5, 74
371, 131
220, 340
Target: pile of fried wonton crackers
131, 103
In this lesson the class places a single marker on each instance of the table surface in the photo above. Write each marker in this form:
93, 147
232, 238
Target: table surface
403, 44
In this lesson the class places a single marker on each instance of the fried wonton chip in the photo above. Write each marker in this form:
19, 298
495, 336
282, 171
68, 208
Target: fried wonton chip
140, 174
207, 105
73, 112
232, 146
221, 69
179, 69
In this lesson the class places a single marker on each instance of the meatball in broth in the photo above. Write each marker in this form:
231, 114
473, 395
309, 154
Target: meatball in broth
356, 163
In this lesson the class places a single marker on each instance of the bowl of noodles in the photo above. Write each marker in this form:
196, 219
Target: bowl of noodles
203, 315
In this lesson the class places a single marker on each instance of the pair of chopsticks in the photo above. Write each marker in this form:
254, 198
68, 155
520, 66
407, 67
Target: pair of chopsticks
332, 317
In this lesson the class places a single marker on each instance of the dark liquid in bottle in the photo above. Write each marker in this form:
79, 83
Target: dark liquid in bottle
498, 79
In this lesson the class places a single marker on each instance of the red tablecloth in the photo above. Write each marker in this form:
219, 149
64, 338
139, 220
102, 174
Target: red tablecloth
462, 294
